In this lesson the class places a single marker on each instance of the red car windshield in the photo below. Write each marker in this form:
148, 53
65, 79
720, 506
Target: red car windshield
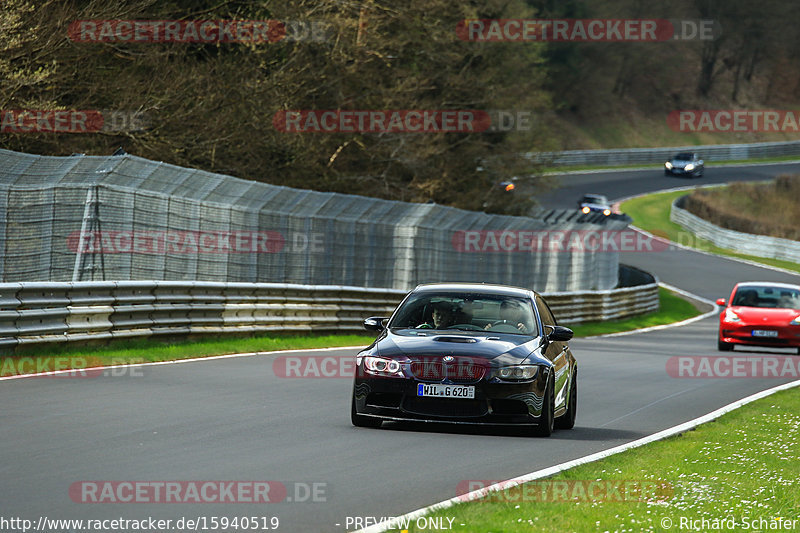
766, 296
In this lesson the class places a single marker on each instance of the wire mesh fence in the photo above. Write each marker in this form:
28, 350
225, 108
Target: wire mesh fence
93, 218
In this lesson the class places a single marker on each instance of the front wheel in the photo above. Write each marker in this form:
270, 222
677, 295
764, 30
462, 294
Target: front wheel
567, 420
724, 346
546, 421
361, 420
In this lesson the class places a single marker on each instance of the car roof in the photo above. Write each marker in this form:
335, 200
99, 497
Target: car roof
774, 284
485, 288
596, 197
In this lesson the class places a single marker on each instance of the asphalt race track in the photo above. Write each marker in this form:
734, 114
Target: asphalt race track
234, 419
616, 184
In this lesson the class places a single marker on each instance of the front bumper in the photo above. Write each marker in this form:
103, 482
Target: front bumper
495, 403
787, 336
680, 171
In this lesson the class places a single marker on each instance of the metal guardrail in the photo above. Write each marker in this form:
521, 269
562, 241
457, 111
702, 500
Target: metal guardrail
746, 243
42, 312
628, 156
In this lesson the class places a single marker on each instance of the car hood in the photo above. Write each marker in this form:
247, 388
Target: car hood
765, 315
498, 349
679, 163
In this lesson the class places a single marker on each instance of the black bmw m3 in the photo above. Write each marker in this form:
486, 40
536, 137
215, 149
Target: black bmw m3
470, 354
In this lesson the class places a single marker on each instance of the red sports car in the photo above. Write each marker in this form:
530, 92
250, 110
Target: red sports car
761, 313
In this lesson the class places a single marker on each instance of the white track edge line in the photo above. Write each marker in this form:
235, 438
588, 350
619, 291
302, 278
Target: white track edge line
550, 471
176, 361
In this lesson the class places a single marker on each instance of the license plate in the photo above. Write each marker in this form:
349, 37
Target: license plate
764, 333
445, 391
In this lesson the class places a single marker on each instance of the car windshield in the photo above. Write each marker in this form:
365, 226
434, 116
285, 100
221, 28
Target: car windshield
684, 157
594, 199
467, 312
766, 296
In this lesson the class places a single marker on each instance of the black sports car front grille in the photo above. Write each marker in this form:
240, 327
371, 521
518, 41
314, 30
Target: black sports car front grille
445, 407
458, 371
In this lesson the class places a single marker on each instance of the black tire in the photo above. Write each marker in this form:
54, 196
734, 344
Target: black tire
667, 173
798, 350
547, 421
567, 420
360, 420
724, 346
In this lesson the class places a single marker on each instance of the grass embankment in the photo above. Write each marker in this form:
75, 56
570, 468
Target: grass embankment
769, 208
651, 213
63, 356
743, 466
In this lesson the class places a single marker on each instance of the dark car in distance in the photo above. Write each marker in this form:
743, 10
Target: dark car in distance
685, 164
468, 353
594, 203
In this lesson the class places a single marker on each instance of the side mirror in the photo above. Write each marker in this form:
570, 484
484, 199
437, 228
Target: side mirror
559, 334
721, 301
374, 323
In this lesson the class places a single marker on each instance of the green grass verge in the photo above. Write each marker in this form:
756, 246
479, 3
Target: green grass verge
651, 213
40, 358
672, 308
744, 465
140, 351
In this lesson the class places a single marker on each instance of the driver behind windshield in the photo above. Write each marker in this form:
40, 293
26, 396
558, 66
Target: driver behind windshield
442, 317
511, 313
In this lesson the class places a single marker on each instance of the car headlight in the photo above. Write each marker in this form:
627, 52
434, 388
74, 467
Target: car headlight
796, 321
689, 167
606, 212
585, 210
379, 366
668, 165
516, 372
730, 316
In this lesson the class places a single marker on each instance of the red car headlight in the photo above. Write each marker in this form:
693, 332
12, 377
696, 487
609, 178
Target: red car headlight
796, 321
730, 316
